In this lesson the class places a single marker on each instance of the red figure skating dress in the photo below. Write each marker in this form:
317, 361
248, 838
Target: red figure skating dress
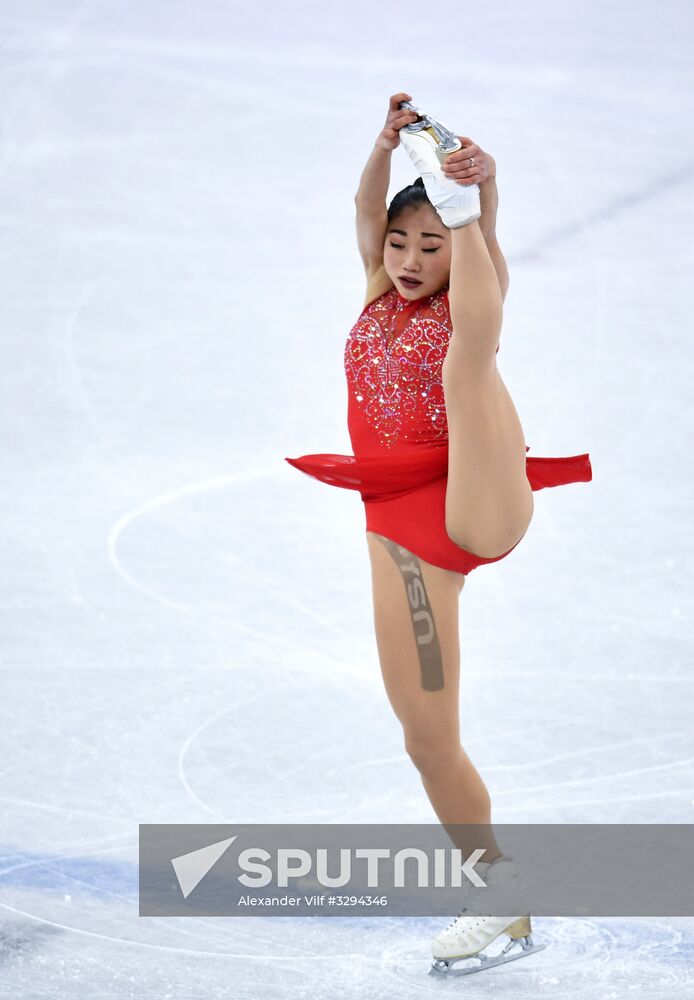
397, 425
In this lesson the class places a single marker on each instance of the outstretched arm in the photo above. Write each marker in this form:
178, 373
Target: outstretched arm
370, 199
483, 173
372, 212
489, 201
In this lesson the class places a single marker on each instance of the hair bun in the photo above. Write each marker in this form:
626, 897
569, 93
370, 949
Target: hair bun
410, 197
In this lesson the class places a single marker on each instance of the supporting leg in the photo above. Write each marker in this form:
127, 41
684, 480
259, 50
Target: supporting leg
404, 585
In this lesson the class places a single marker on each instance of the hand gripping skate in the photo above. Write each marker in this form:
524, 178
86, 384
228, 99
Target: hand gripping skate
428, 142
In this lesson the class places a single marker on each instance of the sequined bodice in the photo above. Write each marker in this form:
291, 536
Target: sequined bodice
393, 359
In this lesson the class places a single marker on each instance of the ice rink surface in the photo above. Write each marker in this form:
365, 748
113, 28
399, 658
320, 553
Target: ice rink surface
187, 630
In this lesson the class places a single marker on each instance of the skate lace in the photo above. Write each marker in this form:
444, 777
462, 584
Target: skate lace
461, 913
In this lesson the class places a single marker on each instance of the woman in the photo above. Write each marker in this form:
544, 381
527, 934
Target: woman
439, 456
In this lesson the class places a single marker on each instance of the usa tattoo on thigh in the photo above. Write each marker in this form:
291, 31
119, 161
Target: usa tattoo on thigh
423, 624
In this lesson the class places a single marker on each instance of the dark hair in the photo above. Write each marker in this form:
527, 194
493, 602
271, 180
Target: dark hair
410, 196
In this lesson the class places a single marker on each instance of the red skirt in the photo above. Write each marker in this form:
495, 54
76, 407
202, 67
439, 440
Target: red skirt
404, 495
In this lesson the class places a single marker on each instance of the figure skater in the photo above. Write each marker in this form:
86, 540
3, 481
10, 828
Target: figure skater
439, 460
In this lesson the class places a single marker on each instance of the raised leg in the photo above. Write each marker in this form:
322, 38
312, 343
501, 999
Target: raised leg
416, 623
489, 501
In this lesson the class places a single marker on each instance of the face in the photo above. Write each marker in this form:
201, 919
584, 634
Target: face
418, 246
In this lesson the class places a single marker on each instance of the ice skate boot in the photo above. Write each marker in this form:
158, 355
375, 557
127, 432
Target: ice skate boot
428, 142
469, 934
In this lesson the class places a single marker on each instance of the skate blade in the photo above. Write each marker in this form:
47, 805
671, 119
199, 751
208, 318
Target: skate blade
445, 141
444, 967
441, 152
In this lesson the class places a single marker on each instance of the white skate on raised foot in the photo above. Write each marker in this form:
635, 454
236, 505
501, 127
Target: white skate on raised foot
467, 936
428, 142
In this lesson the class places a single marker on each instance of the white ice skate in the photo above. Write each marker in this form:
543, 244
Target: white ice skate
468, 935
428, 142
